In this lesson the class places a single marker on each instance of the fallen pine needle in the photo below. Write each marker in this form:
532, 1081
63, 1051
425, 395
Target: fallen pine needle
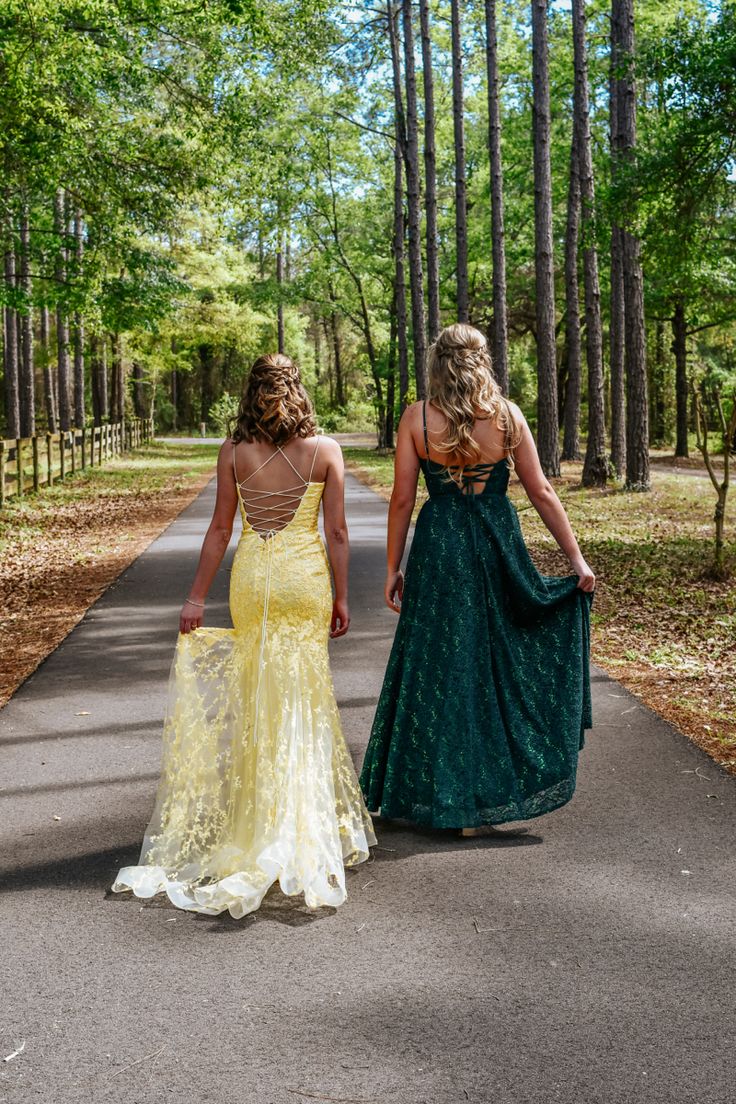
704, 777
379, 848
368, 884
515, 928
18, 1050
337, 1099
139, 1060
360, 928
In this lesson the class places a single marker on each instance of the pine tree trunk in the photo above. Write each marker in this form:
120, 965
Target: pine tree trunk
280, 305
48, 380
339, 386
400, 284
498, 237
617, 326
139, 405
104, 384
635, 364
339, 397
430, 177
388, 435
79, 409
571, 418
206, 365
98, 364
461, 201
117, 405
26, 381
62, 326
595, 468
658, 397
11, 346
80, 416
330, 372
413, 195
679, 348
547, 429
617, 346
174, 399
399, 230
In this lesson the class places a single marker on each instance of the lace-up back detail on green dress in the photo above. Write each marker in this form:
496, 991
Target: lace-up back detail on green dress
487, 691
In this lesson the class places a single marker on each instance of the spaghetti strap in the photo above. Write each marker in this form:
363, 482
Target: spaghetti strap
424, 426
288, 461
314, 457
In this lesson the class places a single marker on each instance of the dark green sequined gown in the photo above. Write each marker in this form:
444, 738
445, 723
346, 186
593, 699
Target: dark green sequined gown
487, 692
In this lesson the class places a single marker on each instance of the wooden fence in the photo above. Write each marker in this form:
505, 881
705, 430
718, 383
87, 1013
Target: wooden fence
30, 463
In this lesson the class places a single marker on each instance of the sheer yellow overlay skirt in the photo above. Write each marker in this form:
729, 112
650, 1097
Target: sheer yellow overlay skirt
257, 784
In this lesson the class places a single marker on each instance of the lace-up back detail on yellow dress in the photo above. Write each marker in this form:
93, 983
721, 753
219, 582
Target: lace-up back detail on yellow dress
268, 509
257, 783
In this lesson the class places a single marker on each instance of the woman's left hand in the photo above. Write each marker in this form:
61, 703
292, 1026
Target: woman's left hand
586, 578
190, 617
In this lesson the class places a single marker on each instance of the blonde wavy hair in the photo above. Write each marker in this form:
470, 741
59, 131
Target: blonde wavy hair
462, 386
274, 407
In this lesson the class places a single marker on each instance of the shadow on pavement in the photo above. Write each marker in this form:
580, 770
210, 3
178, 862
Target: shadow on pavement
97, 868
398, 839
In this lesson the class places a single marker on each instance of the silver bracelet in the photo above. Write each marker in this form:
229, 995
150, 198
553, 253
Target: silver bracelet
192, 603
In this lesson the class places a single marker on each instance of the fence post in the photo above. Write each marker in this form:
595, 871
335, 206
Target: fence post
49, 460
2, 474
35, 462
74, 450
99, 444
62, 456
84, 446
19, 466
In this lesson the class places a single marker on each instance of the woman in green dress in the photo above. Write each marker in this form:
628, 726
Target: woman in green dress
487, 692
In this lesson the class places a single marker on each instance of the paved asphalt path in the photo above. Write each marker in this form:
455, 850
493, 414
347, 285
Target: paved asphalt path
590, 962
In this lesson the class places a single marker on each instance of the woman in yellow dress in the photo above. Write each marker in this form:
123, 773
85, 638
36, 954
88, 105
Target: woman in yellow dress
257, 784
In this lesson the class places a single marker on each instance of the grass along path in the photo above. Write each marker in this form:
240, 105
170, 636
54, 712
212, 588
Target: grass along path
60, 549
660, 624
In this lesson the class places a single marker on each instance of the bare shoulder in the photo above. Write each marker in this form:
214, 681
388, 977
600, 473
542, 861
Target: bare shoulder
414, 410
516, 413
411, 419
328, 445
225, 455
327, 456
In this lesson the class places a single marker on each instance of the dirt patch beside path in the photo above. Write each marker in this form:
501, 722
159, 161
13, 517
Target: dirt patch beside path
61, 549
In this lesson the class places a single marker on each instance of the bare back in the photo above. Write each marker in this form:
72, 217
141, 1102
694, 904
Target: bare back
486, 432
273, 480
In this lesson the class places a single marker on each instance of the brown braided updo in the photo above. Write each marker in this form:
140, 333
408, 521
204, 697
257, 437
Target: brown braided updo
274, 407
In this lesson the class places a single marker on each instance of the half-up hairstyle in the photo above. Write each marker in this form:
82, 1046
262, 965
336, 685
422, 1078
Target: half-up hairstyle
463, 387
274, 407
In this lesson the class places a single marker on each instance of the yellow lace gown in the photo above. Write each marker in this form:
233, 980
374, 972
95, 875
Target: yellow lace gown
257, 783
